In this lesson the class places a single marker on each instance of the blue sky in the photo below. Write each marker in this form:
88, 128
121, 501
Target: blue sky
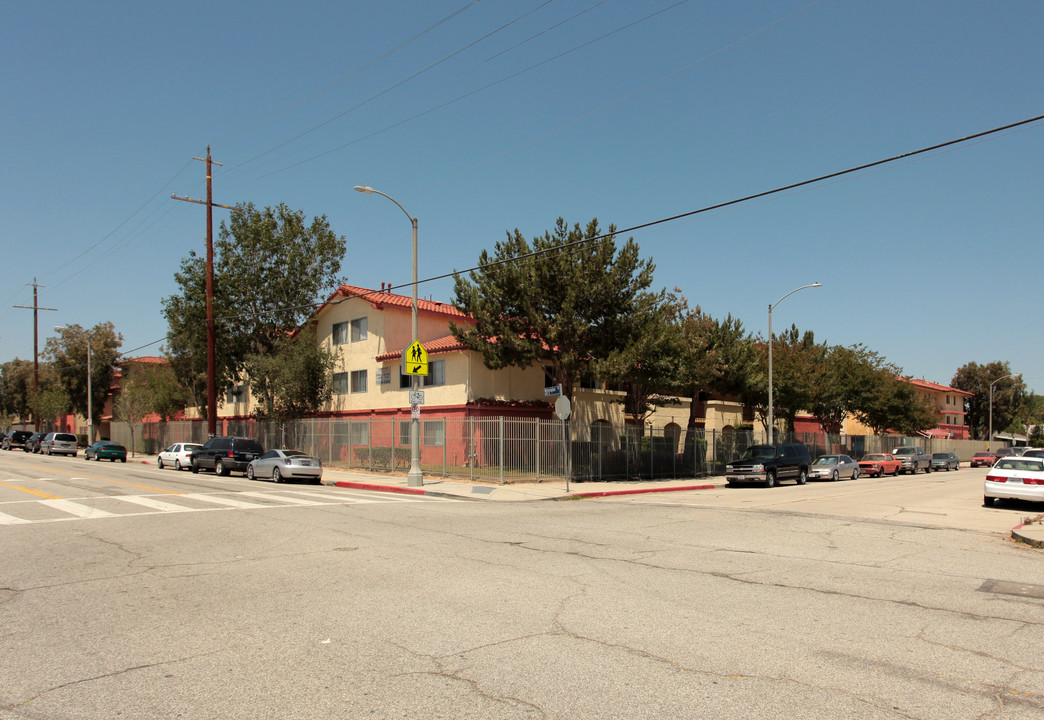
482, 117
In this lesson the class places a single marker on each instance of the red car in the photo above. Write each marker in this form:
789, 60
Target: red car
983, 459
878, 464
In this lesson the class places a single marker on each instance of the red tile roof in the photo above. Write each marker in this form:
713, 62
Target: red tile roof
381, 299
936, 386
147, 360
442, 345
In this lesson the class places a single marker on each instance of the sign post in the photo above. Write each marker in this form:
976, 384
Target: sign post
562, 409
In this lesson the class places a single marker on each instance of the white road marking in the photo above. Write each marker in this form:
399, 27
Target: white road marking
75, 508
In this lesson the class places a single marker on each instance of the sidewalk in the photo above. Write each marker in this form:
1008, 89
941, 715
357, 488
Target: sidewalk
1031, 533
549, 490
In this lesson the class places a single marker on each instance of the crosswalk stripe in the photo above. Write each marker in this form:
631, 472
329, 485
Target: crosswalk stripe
282, 498
343, 497
12, 520
75, 508
153, 503
223, 500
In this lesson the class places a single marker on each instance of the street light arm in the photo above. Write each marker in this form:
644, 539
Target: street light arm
812, 285
370, 191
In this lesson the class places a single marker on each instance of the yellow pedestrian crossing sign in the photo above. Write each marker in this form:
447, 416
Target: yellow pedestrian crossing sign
415, 359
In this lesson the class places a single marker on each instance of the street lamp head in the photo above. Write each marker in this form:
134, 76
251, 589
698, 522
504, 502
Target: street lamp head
816, 285
364, 189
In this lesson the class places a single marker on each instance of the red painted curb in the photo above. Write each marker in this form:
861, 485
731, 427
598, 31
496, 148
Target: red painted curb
642, 490
380, 488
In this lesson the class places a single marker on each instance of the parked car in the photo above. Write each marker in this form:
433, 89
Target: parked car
283, 465
32, 444
833, 467
913, 458
1013, 451
878, 464
15, 438
945, 461
983, 459
105, 450
179, 455
225, 454
768, 464
1034, 452
1015, 478
59, 443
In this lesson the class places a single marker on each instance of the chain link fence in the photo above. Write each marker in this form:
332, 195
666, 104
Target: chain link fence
509, 449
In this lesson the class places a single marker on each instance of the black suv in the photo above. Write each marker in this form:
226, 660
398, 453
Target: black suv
769, 464
225, 454
15, 438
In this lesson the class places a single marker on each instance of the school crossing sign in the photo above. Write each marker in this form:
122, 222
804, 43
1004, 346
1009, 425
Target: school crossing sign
415, 359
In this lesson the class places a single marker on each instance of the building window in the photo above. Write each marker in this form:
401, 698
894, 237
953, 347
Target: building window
359, 432
340, 383
358, 381
434, 433
436, 373
358, 329
340, 333
237, 394
404, 433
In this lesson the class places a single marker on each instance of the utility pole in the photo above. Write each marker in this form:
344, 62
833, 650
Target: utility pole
211, 364
36, 345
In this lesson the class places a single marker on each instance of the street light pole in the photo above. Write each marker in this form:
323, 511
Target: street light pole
771, 419
415, 478
989, 440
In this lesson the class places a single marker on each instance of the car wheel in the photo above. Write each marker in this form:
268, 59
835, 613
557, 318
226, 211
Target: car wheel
276, 477
250, 472
177, 465
833, 477
770, 479
987, 501
98, 458
123, 460
219, 467
195, 466
855, 474
927, 469
159, 463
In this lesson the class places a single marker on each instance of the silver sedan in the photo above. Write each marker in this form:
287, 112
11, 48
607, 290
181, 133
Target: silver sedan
280, 465
833, 467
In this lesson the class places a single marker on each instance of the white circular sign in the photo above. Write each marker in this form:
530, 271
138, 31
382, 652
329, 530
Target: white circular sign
563, 408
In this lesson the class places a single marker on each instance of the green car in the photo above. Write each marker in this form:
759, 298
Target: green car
105, 450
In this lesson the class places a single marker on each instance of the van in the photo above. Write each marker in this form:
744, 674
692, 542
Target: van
59, 443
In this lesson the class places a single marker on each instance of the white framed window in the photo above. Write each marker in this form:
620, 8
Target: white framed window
404, 432
358, 381
237, 394
434, 433
358, 329
340, 383
359, 433
340, 333
436, 373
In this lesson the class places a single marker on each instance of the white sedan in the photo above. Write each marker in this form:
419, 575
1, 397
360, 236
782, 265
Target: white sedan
1015, 478
283, 465
177, 456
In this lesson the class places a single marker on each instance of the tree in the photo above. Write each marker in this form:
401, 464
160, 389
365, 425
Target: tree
134, 400
67, 355
269, 269
716, 355
649, 363
17, 378
50, 399
839, 376
793, 353
1007, 394
167, 395
569, 299
293, 380
887, 402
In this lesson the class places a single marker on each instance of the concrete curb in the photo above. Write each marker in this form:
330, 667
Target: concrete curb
381, 488
607, 493
1030, 533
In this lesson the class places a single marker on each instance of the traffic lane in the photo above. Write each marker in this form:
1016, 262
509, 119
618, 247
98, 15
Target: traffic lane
939, 499
59, 476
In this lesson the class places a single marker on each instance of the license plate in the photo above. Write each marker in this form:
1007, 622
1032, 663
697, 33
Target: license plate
1017, 481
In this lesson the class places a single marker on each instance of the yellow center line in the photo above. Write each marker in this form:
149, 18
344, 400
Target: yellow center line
95, 477
40, 493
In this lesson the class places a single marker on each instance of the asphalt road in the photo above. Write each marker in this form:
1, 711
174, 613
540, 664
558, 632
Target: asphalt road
733, 603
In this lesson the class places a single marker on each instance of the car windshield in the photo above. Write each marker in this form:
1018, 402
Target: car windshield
875, 457
984, 454
904, 451
759, 452
940, 456
293, 453
1026, 464
826, 460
